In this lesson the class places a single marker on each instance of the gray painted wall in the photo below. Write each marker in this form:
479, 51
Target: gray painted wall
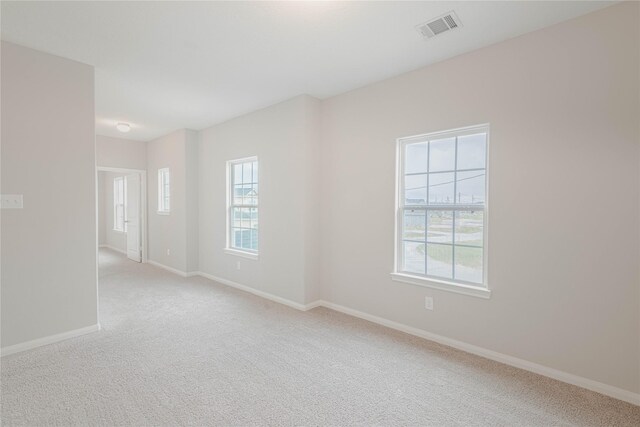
564, 219
168, 236
121, 153
284, 138
48, 274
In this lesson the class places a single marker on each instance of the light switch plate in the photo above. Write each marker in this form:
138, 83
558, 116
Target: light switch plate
11, 201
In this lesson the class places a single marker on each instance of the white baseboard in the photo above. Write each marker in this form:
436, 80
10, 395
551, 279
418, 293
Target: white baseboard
113, 248
17, 348
236, 285
576, 380
314, 304
266, 295
173, 270
556, 374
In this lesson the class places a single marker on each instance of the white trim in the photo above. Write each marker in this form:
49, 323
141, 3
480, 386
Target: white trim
119, 185
244, 160
113, 248
119, 170
161, 208
242, 254
172, 270
229, 201
598, 387
230, 283
28, 345
266, 295
442, 285
446, 285
143, 203
313, 305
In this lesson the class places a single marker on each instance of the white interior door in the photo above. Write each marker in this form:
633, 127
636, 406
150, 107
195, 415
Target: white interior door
134, 250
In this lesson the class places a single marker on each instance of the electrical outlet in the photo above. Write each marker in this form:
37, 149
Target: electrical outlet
11, 201
238, 265
168, 251
428, 303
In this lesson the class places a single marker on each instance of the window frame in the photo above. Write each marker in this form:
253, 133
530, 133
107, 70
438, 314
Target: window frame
229, 248
117, 189
453, 285
164, 192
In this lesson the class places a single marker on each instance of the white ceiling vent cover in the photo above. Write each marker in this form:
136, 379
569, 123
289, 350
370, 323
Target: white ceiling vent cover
447, 22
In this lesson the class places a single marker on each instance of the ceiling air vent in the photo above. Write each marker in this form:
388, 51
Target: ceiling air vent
448, 21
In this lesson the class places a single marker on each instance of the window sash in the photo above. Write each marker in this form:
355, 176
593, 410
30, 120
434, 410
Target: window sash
164, 190
452, 243
237, 228
425, 207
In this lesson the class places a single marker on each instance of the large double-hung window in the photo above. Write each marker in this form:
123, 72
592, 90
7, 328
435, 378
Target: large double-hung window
243, 206
442, 204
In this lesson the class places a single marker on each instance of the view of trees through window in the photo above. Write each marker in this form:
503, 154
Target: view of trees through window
442, 207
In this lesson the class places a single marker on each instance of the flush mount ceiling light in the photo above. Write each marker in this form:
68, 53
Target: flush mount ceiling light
123, 127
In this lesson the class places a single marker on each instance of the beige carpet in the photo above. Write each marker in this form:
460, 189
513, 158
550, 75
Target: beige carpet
177, 351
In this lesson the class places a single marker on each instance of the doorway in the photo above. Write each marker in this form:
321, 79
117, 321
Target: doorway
121, 211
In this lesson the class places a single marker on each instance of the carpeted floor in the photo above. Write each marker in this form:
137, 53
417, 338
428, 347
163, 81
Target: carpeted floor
177, 351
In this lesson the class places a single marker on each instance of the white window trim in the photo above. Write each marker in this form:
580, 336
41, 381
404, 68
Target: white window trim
228, 249
161, 210
456, 286
241, 253
443, 285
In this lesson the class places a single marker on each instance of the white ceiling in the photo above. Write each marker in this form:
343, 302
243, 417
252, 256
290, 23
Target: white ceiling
162, 66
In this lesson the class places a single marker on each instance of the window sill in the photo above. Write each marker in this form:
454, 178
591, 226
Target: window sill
442, 285
118, 231
163, 212
242, 254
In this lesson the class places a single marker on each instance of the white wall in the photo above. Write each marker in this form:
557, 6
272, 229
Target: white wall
564, 221
192, 201
121, 153
48, 155
170, 232
284, 138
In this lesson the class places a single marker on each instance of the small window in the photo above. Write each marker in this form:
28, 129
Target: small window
119, 204
163, 191
442, 205
242, 212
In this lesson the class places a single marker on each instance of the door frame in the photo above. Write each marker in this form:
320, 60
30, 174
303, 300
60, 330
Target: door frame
143, 202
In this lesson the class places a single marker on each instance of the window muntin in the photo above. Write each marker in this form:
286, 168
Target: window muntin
441, 206
119, 204
243, 205
164, 191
